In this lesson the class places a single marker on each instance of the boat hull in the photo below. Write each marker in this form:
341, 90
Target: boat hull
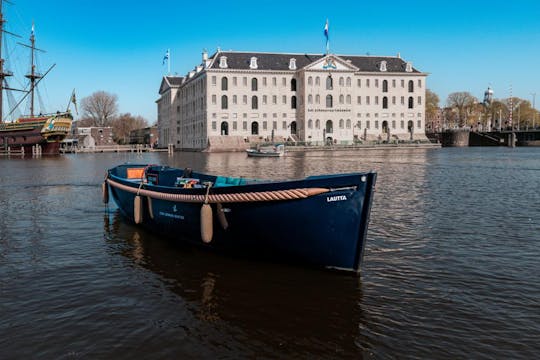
255, 153
325, 230
47, 132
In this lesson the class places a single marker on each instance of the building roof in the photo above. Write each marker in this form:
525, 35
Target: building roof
175, 80
278, 61
170, 81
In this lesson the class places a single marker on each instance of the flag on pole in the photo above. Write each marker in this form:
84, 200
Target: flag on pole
327, 37
32, 33
74, 101
166, 57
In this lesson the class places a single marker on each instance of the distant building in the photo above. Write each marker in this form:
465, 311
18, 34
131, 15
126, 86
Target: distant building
146, 136
90, 137
235, 98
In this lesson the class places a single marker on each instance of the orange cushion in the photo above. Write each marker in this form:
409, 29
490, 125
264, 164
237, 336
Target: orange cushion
135, 173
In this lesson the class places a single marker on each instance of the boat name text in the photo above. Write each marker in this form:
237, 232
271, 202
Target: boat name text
174, 216
336, 198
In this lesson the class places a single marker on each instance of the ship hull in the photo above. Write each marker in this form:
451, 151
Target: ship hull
16, 140
26, 133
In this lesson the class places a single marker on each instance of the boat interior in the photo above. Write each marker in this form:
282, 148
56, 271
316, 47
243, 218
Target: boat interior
172, 177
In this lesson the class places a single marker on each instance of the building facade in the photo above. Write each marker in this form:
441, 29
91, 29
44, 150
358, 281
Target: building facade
90, 137
233, 99
144, 136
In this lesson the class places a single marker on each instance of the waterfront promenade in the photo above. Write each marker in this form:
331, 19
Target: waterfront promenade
289, 147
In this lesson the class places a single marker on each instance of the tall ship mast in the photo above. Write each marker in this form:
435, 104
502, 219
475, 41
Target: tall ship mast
29, 132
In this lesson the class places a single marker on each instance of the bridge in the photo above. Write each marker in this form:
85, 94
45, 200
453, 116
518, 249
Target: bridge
505, 138
467, 137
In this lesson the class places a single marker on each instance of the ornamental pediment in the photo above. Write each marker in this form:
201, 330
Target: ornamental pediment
331, 63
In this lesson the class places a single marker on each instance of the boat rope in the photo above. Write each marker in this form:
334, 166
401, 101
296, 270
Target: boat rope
274, 195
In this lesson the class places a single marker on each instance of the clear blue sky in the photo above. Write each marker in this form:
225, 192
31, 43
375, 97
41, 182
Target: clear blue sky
118, 45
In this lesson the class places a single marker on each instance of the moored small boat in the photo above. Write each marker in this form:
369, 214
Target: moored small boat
320, 220
267, 151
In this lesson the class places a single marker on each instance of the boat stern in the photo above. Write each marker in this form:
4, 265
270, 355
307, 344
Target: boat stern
57, 127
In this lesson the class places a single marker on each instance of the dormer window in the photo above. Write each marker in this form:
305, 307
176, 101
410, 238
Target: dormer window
408, 67
223, 62
382, 66
253, 63
292, 64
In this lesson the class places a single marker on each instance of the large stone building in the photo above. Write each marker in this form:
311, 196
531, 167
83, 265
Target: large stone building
233, 99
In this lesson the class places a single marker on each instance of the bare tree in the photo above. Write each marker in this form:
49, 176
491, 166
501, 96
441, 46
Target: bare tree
464, 102
101, 107
124, 124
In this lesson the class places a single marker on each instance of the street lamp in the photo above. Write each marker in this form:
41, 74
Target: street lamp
534, 109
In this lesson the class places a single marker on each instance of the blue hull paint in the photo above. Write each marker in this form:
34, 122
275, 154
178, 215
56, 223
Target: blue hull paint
326, 230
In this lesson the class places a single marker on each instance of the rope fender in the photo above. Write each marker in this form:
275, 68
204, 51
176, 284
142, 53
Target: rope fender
274, 195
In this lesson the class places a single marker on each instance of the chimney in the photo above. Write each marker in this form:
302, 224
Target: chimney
223, 62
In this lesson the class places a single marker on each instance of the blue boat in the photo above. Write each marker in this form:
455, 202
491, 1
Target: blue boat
320, 221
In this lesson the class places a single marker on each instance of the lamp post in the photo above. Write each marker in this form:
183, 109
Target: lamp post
534, 110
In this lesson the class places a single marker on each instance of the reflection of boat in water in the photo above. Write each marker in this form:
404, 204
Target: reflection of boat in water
281, 308
320, 220
267, 151
31, 133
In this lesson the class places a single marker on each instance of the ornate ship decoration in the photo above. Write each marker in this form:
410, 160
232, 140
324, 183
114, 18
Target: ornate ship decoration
32, 133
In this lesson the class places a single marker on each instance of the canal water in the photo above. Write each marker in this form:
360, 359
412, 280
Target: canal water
452, 265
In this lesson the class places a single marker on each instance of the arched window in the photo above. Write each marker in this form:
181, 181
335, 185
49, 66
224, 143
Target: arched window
254, 84
293, 102
329, 127
310, 124
310, 99
329, 103
348, 81
224, 102
317, 124
224, 128
234, 100
341, 99
310, 81
348, 99
348, 124
385, 127
317, 99
385, 102
224, 83
341, 123
317, 81
254, 102
411, 102
411, 86
254, 128
293, 84
329, 82
293, 128
341, 81
385, 86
